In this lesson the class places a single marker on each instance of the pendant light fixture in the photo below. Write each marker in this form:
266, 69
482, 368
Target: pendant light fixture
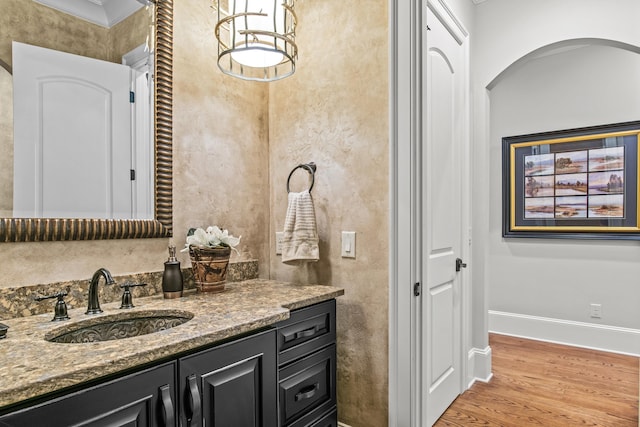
256, 38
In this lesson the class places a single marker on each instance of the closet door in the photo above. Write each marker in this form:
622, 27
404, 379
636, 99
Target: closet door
441, 217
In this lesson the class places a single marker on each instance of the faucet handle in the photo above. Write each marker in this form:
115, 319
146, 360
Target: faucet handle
127, 298
60, 310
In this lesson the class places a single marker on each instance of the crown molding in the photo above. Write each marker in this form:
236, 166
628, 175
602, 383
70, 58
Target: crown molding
105, 13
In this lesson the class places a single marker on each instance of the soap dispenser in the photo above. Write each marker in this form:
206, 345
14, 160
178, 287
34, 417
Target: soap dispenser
172, 277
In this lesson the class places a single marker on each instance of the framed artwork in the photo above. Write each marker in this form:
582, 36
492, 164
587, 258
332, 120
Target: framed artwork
577, 183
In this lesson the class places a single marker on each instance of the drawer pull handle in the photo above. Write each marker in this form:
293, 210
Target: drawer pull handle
167, 406
306, 393
302, 334
193, 402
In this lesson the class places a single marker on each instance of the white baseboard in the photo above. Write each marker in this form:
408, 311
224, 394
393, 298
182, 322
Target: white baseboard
579, 334
342, 424
479, 365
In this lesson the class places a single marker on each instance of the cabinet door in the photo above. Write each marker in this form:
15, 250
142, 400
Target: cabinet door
142, 399
234, 384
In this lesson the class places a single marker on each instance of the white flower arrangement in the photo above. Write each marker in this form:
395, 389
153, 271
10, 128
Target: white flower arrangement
212, 237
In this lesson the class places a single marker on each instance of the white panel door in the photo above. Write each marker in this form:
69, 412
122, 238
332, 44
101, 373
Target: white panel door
72, 136
443, 98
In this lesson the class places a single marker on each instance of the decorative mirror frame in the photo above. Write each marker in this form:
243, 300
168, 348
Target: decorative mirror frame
61, 229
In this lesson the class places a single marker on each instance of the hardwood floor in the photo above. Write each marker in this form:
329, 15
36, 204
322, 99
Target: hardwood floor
542, 384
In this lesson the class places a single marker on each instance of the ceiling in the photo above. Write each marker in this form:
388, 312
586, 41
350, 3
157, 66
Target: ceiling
105, 13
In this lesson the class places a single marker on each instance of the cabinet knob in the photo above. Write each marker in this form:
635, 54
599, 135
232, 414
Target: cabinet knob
307, 392
296, 335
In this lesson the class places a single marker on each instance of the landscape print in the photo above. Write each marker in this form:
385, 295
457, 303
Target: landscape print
604, 159
572, 162
539, 164
585, 183
611, 206
539, 186
606, 182
542, 207
571, 207
574, 184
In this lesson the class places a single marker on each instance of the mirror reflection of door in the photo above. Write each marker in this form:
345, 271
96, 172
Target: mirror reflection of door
66, 104
6, 142
142, 152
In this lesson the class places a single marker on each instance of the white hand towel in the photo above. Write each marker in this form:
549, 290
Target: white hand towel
300, 236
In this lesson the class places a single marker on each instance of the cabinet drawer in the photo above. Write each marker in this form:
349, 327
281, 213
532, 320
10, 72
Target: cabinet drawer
308, 329
307, 388
329, 420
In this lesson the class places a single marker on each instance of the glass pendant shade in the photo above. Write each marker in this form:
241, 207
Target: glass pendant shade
256, 38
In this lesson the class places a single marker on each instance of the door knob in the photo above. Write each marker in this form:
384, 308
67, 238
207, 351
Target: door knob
460, 265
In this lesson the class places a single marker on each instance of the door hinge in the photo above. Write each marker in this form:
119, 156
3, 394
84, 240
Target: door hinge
132, 97
460, 265
416, 289
132, 174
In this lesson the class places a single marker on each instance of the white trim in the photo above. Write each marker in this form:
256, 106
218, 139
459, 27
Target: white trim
479, 366
105, 13
138, 58
579, 334
343, 424
445, 15
466, 288
404, 403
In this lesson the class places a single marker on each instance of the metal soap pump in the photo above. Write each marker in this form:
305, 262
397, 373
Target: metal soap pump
172, 277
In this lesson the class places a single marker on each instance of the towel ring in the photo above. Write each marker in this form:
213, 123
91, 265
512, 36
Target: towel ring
310, 167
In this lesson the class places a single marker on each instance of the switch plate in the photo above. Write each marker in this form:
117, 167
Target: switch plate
596, 311
279, 237
348, 244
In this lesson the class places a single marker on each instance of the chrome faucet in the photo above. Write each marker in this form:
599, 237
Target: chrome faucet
94, 303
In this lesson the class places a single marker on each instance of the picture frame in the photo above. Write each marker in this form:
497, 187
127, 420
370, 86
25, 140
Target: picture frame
578, 183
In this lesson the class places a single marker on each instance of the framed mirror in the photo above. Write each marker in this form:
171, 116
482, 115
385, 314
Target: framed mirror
63, 229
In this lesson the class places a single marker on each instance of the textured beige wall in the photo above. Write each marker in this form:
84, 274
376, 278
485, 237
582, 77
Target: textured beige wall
334, 111
220, 141
33, 23
129, 34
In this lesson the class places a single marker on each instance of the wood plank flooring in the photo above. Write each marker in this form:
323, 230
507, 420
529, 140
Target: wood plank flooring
541, 384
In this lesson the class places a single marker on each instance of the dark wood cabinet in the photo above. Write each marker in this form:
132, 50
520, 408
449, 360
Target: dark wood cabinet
328, 420
307, 367
284, 376
143, 399
231, 385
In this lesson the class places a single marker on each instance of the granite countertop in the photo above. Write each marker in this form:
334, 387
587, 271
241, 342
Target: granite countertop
32, 366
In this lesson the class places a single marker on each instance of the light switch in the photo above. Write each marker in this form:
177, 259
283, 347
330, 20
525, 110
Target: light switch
348, 244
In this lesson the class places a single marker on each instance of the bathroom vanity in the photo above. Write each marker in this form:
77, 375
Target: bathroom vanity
262, 353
